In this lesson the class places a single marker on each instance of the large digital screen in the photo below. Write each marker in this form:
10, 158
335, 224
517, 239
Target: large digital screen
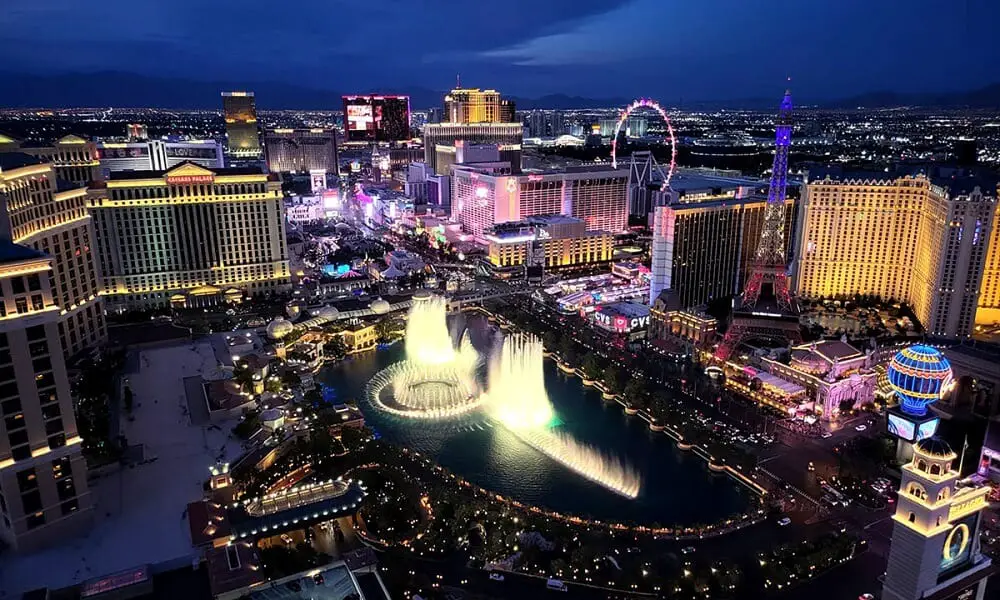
927, 429
109, 152
189, 152
958, 545
377, 118
901, 428
359, 118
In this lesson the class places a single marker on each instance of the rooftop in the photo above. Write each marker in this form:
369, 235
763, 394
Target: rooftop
11, 252
553, 219
626, 309
687, 182
16, 160
958, 180
152, 174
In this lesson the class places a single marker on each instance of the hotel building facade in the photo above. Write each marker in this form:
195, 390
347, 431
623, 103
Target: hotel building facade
43, 476
189, 236
597, 195
703, 249
908, 238
75, 159
40, 211
301, 150
473, 105
549, 241
158, 155
508, 138
988, 311
239, 110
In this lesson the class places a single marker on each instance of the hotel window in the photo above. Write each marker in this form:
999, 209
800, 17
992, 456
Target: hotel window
36, 520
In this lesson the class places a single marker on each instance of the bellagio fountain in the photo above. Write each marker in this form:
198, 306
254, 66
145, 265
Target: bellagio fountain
437, 381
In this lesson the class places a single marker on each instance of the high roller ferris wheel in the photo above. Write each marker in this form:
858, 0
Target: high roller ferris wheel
623, 118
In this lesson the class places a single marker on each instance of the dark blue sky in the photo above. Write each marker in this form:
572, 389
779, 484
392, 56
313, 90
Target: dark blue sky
695, 49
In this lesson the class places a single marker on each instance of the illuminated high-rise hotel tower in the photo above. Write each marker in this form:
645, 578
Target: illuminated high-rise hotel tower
240, 113
472, 105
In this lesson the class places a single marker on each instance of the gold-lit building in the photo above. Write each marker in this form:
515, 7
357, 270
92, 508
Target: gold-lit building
239, 110
473, 105
75, 159
988, 311
669, 324
189, 236
903, 238
39, 210
550, 241
43, 476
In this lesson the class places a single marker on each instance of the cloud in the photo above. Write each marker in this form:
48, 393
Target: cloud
629, 31
703, 49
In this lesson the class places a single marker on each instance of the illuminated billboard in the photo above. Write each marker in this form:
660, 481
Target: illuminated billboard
358, 118
927, 429
376, 118
901, 427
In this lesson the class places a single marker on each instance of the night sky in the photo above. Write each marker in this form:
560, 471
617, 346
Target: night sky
691, 49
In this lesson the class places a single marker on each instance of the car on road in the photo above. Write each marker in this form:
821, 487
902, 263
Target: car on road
286, 538
557, 585
687, 550
783, 521
496, 576
826, 435
861, 427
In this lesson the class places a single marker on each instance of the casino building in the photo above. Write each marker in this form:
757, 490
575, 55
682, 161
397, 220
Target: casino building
239, 110
189, 236
918, 239
598, 195
548, 241
75, 159
301, 150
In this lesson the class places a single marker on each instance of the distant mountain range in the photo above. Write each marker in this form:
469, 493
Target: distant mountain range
118, 89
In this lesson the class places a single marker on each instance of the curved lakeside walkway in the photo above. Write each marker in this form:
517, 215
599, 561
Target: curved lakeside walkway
676, 533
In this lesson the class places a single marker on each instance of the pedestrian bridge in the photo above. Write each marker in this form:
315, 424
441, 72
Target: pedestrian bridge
294, 508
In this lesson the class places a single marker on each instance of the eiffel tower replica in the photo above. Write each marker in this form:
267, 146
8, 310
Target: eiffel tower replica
766, 309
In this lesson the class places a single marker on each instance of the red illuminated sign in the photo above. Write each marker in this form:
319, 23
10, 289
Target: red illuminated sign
186, 179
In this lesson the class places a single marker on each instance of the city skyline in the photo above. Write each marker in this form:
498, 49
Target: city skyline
529, 50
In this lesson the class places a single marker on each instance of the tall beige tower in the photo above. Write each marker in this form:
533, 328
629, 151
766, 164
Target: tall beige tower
43, 475
935, 538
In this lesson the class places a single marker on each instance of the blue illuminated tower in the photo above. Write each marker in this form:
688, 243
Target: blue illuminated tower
769, 260
766, 307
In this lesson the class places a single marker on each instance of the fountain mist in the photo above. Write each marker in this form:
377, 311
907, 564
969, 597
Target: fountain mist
436, 381
517, 399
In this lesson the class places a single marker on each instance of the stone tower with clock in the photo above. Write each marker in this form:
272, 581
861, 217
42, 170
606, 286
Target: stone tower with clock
934, 553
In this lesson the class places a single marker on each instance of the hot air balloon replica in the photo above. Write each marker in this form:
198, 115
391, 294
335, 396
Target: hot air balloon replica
919, 376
